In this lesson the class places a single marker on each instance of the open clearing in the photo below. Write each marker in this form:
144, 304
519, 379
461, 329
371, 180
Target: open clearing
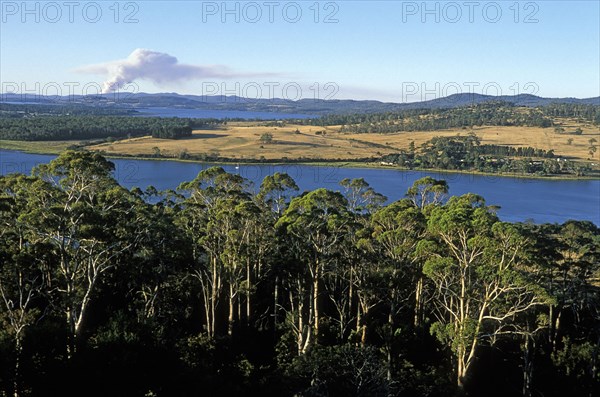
41, 147
241, 140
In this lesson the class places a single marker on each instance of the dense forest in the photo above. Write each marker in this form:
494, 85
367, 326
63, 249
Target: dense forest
466, 153
65, 127
493, 113
171, 131
223, 288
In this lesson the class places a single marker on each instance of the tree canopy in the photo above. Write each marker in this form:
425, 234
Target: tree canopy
222, 288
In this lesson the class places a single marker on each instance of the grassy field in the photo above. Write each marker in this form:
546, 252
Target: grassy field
242, 141
46, 147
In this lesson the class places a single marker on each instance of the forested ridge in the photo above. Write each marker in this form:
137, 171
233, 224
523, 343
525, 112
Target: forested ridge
219, 288
493, 113
19, 110
306, 105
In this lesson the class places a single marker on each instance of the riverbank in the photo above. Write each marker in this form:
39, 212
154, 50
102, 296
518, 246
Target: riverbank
55, 148
521, 199
38, 147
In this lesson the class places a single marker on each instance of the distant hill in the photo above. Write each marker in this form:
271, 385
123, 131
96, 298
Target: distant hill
528, 100
304, 106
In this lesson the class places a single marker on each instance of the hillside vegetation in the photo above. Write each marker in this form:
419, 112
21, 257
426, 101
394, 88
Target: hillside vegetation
265, 291
569, 132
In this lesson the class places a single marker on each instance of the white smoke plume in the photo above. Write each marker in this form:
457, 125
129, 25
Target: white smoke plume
157, 67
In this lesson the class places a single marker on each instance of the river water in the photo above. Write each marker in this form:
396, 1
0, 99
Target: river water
520, 199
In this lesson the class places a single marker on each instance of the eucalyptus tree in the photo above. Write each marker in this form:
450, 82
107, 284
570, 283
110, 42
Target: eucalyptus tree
239, 223
84, 215
480, 277
362, 198
22, 265
260, 254
274, 195
162, 259
396, 231
574, 312
200, 198
213, 216
316, 223
339, 281
427, 191
572, 278
370, 282
276, 191
533, 327
345, 284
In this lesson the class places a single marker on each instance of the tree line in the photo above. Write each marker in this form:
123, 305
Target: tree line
466, 153
65, 127
20, 110
494, 113
171, 131
225, 288
588, 113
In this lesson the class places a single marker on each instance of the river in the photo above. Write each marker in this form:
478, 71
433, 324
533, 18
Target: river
520, 199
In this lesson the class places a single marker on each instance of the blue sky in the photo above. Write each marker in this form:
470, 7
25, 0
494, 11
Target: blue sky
384, 50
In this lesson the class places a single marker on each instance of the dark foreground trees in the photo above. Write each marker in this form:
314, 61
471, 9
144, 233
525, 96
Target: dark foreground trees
221, 289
